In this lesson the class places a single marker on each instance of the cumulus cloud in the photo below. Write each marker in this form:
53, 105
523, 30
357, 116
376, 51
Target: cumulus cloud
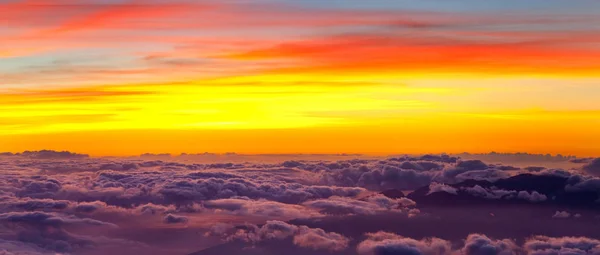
371, 205
152, 209
318, 239
477, 244
578, 183
556, 172
9, 247
118, 166
561, 214
472, 170
302, 236
394, 177
421, 165
533, 196
487, 175
89, 207
440, 187
480, 191
29, 204
186, 191
46, 230
131, 188
489, 193
49, 219
380, 175
543, 245
270, 230
261, 207
174, 219
382, 243
593, 167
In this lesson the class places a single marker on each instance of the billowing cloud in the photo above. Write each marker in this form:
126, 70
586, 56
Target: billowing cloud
29, 204
185, 191
477, 244
8, 247
492, 193
318, 239
543, 245
89, 207
534, 196
47, 230
479, 191
174, 219
379, 176
474, 170
382, 243
488, 175
262, 207
440, 187
578, 183
371, 205
593, 167
109, 204
49, 219
302, 236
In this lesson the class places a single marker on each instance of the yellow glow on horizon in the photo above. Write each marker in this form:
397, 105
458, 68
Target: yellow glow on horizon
412, 134
227, 104
294, 114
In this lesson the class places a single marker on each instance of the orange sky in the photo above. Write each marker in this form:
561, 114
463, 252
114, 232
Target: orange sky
129, 77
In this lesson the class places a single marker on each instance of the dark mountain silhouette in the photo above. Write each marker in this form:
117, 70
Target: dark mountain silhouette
47, 154
553, 187
393, 193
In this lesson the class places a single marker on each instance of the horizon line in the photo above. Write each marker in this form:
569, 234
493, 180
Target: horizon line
342, 154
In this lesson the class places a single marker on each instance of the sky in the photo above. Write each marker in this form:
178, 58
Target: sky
114, 77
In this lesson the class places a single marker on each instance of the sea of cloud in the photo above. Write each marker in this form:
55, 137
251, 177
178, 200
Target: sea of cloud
63, 203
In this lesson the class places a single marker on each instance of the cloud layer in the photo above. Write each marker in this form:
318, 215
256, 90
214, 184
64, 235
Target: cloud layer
71, 204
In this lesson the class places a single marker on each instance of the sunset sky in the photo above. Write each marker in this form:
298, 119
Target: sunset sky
116, 77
